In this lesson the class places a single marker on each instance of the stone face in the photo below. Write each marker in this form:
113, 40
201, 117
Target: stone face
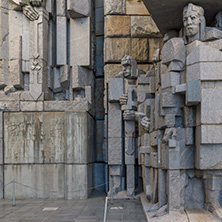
144, 27
117, 26
116, 49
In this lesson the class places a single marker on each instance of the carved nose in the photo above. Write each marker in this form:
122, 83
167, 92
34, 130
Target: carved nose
189, 21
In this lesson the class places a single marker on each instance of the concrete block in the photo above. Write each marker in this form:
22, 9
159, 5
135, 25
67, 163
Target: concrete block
144, 27
214, 183
67, 106
9, 106
189, 116
154, 159
80, 42
114, 7
211, 134
180, 88
110, 71
154, 138
176, 66
147, 160
78, 189
1, 151
115, 123
79, 137
204, 53
145, 149
174, 159
115, 170
173, 180
115, 151
115, 89
65, 76
193, 92
157, 111
174, 49
208, 156
61, 40
117, 26
169, 120
210, 98
170, 100
47, 180
81, 77
170, 79
31, 106
79, 8
15, 70
204, 71
99, 98
145, 139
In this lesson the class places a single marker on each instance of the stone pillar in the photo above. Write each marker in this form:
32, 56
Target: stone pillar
39, 54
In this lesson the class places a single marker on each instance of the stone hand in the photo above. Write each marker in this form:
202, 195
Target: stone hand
145, 123
129, 115
36, 3
123, 99
30, 13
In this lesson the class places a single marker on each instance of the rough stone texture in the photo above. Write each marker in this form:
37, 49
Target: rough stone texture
116, 49
154, 44
117, 26
136, 7
110, 71
144, 27
114, 7
140, 49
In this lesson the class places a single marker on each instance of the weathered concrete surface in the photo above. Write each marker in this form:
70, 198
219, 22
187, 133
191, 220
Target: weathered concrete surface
34, 137
35, 181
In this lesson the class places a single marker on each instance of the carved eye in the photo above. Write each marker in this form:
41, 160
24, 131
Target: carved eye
193, 17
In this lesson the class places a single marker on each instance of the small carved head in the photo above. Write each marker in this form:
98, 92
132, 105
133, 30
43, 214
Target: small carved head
194, 22
130, 65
